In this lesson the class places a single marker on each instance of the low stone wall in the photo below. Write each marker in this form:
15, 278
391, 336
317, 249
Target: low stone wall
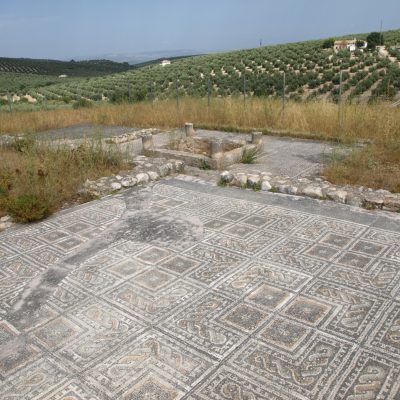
145, 171
128, 137
217, 161
195, 160
315, 188
199, 151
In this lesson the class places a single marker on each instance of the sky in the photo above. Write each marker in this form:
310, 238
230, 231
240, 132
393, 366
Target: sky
61, 29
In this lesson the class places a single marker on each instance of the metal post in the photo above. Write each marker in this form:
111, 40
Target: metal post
9, 102
340, 101
148, 91
283, 93
208, 93
177, 94
129, 92
244, 90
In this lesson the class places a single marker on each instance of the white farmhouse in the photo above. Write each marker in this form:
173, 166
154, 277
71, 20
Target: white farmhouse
349, 45
165, 62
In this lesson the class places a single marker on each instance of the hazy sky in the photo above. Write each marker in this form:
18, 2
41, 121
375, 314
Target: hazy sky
83, 28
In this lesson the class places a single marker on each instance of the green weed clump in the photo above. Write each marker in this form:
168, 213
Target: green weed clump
28, 207
249, 156
38, 179
205, 166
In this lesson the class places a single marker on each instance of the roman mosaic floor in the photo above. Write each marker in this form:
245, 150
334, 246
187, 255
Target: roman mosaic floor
188, 291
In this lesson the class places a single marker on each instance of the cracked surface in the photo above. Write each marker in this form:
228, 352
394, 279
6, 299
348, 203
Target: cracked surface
188, 291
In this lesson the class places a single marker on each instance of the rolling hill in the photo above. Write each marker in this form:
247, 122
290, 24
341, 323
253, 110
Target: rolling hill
310, 72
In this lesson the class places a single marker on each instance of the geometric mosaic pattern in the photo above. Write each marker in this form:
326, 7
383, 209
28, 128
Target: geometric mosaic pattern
256, 301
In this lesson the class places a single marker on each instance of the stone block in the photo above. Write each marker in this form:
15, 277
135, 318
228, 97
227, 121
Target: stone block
189, 130
115, 186
392, 202
253, 180
147, 142
240, 179
226, 177
265, 185
313, 191
153, 175
372, 201
142, 178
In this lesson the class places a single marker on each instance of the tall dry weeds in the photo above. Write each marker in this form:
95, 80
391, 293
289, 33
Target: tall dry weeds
37, 178
376, 165
312, 119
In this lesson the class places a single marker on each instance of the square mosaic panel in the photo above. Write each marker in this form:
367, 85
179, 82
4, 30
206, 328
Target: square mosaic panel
128, 369
308, 375
201, 325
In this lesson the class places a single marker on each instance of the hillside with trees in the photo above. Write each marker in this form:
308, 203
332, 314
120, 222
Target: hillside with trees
300, 71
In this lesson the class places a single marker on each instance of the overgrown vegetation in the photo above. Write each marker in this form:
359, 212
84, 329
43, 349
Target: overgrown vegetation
375, 165
36, 178
312, 120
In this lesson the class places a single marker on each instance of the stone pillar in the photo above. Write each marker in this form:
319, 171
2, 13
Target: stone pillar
147, 141
256, 138
189, 129
216, 148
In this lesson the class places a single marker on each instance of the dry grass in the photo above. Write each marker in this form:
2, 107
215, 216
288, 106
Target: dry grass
313, 119
36, 179
374, 166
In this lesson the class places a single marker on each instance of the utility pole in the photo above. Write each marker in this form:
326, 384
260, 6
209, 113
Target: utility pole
129, 92
381, 33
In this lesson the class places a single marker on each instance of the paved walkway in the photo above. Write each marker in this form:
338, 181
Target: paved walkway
189, 291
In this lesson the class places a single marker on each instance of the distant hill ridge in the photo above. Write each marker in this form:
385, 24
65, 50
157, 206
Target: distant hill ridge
56, 67
310, 72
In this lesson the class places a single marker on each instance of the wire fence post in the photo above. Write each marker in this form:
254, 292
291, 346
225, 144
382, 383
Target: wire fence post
284, 95
340, 110
208, 93
129, 92
244, 90
177, 94
9, 102
151, 93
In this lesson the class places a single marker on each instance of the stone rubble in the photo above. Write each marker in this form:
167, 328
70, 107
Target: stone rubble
6, 222
145, 171
128, 137
317, 188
